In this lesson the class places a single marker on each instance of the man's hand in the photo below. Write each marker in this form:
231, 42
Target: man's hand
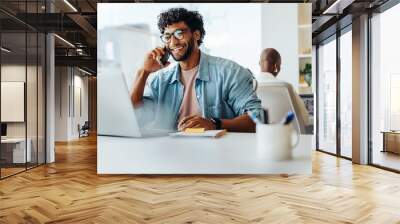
150, 61
150, 65
195, 121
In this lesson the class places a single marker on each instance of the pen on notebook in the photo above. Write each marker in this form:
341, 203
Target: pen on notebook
253, 117
289, 118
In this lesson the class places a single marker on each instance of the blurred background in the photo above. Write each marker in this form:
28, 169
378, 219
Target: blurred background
235, 31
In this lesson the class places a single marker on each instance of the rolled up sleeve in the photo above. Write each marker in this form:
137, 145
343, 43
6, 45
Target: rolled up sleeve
242, 97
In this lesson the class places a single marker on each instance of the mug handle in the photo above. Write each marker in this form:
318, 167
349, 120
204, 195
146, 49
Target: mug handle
297, 140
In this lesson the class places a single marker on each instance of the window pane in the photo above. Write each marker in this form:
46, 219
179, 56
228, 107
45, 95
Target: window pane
327, 97
386, 89
346, 94
22, 90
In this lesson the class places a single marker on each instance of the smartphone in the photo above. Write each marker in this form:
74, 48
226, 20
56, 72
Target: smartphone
163, 60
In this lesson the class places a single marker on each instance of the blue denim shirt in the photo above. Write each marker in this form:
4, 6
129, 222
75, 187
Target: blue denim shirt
223, 88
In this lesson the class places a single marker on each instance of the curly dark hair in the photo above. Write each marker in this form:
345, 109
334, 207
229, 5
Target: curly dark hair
193, 20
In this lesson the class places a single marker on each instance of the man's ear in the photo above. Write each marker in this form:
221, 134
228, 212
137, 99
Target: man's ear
197, 35
278, 68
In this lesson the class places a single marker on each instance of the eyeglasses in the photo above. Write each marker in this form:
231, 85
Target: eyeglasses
178, 34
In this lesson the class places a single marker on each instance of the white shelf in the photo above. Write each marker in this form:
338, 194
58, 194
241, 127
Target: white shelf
305, 26
305, 55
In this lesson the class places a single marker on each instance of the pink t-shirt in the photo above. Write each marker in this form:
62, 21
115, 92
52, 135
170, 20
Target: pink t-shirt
190, 105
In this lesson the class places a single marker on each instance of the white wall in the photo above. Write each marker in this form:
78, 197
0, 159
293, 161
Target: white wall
61, 103
79, 117
276, 20
70, 83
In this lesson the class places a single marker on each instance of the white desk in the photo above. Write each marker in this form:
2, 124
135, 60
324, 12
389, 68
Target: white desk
234, 153
18, 150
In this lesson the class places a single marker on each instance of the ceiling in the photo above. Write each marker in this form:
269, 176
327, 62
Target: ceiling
76, 22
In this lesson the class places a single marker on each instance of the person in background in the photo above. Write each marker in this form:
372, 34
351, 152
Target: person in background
270, 65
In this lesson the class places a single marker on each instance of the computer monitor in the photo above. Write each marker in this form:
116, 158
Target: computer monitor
3, 129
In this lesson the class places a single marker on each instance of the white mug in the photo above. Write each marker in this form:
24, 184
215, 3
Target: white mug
276, 141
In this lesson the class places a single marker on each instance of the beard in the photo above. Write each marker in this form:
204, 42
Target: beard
187, 53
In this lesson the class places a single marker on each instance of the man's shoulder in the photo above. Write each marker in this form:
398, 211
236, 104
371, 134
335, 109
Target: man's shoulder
162, 75
218, 61
230, 69
268, 82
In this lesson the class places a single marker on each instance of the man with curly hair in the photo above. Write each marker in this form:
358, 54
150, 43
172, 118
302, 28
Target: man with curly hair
200, 91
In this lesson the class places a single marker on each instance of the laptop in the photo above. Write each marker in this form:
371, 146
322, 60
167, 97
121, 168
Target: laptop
116, 114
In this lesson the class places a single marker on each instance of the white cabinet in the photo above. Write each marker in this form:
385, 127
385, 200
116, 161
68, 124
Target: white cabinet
17, 147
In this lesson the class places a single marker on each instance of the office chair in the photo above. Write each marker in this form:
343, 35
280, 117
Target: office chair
84, 130
279, 98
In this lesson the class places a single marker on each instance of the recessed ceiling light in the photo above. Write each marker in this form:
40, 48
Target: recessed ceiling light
84, 71
70, 5
338, 6
65, 41
5, 50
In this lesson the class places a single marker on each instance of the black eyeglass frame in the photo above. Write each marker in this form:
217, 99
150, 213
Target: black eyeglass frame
178, 34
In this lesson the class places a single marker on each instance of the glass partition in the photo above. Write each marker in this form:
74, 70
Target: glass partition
327, 96
385, 89
13, 108
31, 100
22, 77
346, 94
32, 87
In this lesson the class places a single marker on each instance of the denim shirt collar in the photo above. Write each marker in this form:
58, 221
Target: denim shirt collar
203, 73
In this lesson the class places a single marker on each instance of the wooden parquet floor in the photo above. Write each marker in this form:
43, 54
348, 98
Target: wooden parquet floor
70, 191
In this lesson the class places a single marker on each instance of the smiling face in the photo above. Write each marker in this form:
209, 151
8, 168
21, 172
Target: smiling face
181, 49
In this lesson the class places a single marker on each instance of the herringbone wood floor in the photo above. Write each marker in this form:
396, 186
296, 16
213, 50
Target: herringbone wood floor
70, 191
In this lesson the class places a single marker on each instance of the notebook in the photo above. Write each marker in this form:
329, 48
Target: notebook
209, 133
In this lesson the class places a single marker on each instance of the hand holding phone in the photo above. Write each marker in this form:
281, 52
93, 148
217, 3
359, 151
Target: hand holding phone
164, 58
156, 59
